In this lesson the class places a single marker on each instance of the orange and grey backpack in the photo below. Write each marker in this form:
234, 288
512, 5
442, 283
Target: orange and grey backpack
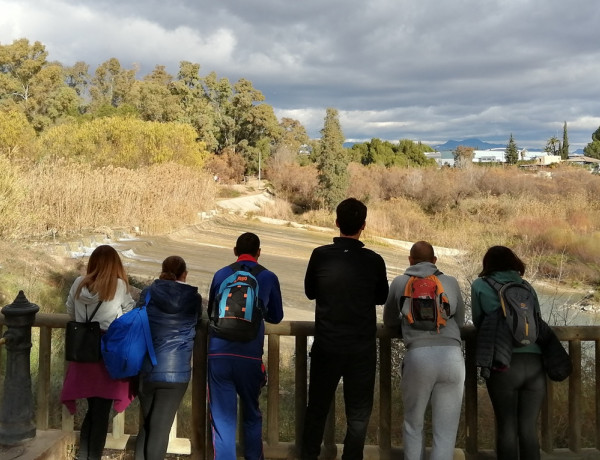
426, 306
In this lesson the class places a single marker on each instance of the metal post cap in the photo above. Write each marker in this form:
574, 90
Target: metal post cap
20, 306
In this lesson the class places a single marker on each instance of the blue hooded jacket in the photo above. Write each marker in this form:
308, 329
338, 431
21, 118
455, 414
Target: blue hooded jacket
173, 313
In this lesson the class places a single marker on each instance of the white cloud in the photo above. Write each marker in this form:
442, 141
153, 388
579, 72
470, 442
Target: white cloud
415, 69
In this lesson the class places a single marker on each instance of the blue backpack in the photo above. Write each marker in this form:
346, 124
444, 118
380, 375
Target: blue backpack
237, 312
127, 342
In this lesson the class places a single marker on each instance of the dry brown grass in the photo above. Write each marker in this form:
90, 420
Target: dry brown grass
295, 184
228, 167
56, 199
278, 209
554, 220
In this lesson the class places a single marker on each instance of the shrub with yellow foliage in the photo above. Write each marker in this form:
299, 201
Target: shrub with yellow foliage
122, 142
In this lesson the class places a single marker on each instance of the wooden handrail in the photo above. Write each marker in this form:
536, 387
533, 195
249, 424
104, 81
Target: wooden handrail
296, 334
299, 328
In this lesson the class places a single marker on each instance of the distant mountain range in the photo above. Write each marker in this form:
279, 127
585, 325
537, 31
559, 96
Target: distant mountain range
475, 143
480, 145
451, 145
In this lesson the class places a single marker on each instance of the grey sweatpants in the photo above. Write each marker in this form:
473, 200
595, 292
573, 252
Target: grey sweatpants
436, 374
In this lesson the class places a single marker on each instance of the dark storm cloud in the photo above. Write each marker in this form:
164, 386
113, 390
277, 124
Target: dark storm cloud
425, 70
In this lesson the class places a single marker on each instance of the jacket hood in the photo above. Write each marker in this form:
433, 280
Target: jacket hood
506, 276
422, 269
86, 297
169, 296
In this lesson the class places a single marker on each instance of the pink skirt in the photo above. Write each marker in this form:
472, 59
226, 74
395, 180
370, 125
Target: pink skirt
88, 380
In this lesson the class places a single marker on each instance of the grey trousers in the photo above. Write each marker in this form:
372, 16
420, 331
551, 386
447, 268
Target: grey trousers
435, 374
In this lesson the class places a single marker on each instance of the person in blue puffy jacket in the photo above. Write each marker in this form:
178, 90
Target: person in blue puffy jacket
173, 312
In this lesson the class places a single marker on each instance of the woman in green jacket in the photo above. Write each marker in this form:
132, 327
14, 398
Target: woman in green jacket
517, 390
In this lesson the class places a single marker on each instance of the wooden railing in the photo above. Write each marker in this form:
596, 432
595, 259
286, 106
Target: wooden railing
294, 336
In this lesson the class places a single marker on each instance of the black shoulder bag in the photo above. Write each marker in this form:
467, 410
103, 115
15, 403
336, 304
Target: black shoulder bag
82, 339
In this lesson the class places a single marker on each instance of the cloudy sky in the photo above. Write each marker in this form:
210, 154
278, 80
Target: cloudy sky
428, 70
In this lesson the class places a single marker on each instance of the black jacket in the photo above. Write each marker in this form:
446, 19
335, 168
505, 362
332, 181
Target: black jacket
494, 343
347, 281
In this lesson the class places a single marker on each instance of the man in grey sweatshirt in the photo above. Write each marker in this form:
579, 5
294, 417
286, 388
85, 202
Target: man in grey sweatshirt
433, 367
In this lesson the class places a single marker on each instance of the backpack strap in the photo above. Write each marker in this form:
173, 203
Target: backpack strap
492, 282
255, 270
443, 298
408, 286
498, 288
93, 313
146, 326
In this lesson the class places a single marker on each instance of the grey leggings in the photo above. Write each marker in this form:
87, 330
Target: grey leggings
159, 402
517, 395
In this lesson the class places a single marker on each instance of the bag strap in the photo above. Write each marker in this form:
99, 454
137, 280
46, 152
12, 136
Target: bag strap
146, 326
493, 283
496, 286
255, 270
93, 313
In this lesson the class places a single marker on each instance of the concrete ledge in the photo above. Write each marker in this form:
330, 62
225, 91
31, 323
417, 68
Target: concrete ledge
47, 445
116, 443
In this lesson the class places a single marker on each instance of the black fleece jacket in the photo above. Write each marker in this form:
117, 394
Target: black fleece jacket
347, 281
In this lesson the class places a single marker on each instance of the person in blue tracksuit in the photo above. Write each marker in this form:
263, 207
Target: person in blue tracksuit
236, 368
173, 312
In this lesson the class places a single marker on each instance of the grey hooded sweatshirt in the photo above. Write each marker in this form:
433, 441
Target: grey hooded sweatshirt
448, 335
109, 309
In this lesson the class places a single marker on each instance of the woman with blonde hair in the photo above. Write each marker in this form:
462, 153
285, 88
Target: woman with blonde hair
173, 311
104, 285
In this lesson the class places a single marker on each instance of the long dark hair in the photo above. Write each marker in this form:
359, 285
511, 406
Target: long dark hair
501, 258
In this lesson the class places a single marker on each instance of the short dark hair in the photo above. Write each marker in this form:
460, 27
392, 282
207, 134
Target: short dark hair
351, 215
247, 243
499, 259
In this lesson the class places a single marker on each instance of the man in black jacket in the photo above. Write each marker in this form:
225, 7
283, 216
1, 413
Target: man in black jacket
347, 281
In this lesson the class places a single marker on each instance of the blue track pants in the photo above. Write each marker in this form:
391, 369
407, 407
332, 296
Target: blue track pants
228, 378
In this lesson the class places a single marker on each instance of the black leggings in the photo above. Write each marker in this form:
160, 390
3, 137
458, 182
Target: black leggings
517, 395
94, 428
159, 401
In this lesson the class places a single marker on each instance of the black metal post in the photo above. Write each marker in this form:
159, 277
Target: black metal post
17, 421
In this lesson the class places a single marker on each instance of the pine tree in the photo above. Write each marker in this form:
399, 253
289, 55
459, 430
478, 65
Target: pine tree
332, 162
564, 150
511, 154
593, 148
